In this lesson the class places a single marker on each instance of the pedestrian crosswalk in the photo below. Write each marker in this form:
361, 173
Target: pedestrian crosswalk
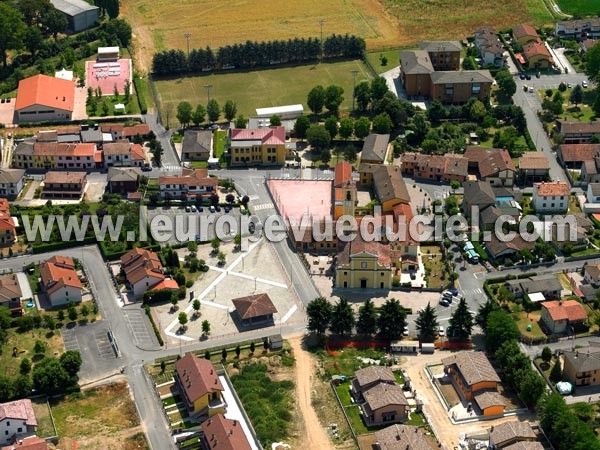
263, 206
472, 292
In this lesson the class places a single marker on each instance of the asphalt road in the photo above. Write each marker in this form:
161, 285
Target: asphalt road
169, 157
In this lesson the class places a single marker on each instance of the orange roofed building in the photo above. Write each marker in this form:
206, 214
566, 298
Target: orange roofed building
200, 386
191, 184
221, 433
43, 98
560, 316
144, 272
60, 281
8, 225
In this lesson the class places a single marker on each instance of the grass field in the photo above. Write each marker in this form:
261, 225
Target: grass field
261, 88
160, 25
580, 7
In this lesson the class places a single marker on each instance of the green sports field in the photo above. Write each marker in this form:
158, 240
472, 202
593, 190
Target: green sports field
261, 88
580, 7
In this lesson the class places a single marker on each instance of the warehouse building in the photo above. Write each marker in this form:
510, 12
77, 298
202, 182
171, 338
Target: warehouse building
79, 13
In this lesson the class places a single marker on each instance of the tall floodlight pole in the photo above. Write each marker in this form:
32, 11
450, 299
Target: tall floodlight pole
208, 87
188, 35
321, 22
354, 74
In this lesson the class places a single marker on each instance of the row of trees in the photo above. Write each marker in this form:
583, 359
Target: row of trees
186, 114
257, 54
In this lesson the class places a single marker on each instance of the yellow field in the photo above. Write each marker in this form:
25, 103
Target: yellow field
159, 24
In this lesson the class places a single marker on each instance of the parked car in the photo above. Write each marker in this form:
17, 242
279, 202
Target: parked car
444, 302
528, 77
218, 208
537, 75
227, 209
569, 85
522, 76
405, 332
211, 208
188, 209
200, 209
193, 207
584, 84
441, 331
453, 291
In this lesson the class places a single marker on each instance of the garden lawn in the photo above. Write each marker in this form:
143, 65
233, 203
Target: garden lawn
375, 58
343, 392
434, 268
41, 410
523, 320
25, 342
262, 88
345, 361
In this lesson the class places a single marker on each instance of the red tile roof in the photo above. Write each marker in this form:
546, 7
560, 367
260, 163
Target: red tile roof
18, 409
224, 434
552, 189
268, 136
254, 306
58, 272
28, 443
55, 177
568, 309
136, 130
579, 152
167, 283
536, 48
523, 30
490, 161
190, 177
342, 174
197, 376
45, 91
140, 263
63, 149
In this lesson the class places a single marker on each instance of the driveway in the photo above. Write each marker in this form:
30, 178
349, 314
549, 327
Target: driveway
79, 107
7, 112
96, 186
392, 78
558, 54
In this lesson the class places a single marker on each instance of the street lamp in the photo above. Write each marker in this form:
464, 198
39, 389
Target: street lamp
321, 22
354, 74
208, 87
188, 35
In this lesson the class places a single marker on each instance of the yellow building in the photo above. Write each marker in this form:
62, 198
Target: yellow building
364, 265
264, 146
199, 385
390, 188
344, 191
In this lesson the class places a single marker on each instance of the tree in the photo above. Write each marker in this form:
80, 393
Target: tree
229, 110
241, 121
363, 95
350, 153
316, 99
184, 113
50, 377
25, 366
576, 96
484, 311
454, 185
71, 362
346, 128
85, 311
301, 127
500, 328
60, 316
215, 244
427, 324
205, 327
331, 125
367, 319
22, 386
275, 120
334, 96
252, 347
119, 28
461, 322
319, 313
199, 115
230, 198
5, 318
378, 88
238, 351
596, 105
506, 84
183, 319
556, 372
436, 111
592, 62
221, 257
39, 348
546, 354
362, 127
342, 318
224, 354
318, 137
12, 30
214, 110
392, 320
6, 388
325, 156
207, 355
112, 8
33, 40
531, 386
382, 124
477, 112
72, 312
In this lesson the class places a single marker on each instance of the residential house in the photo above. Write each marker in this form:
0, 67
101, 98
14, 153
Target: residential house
537, 55
551, 197
400, 437
122, 180
390, 188
448, 167
8, 225
60, 281
581, 366
23, 154
384, 404
590, 172
548, 285
491, 164
370, 376
124, 154
563, 316
92, 134
10, 294
444, 55
524, 33
54, 155
586, 45
257, 309
64, 185
115, 130
258, 146
415, 72
137, 132
479, 195
491, 403
508, 433
456, 87
576, 132
11, 182
220, 433
471, 372
144, 272
375, 149
579, 30
591, 274
499, 250
533, 167
191, 184
17, 420
199, 385
197, 145
42, 98
27, 443
489, 46
573, 156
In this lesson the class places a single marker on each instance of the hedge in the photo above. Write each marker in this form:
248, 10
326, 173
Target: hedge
154, 327
51, 247
480, 250
156, 296
140, 89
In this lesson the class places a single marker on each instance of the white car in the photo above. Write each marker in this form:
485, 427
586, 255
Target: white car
441, 331
405, 332
584, 83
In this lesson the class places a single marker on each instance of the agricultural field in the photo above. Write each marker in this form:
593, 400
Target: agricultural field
160, 25
579, 7
260, 88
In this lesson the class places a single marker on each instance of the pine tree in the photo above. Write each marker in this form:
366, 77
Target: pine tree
426, 324
367, 319
461, 322
342, 318
556, 372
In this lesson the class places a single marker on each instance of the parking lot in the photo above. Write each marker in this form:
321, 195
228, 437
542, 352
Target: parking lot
188, 226
139, 325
